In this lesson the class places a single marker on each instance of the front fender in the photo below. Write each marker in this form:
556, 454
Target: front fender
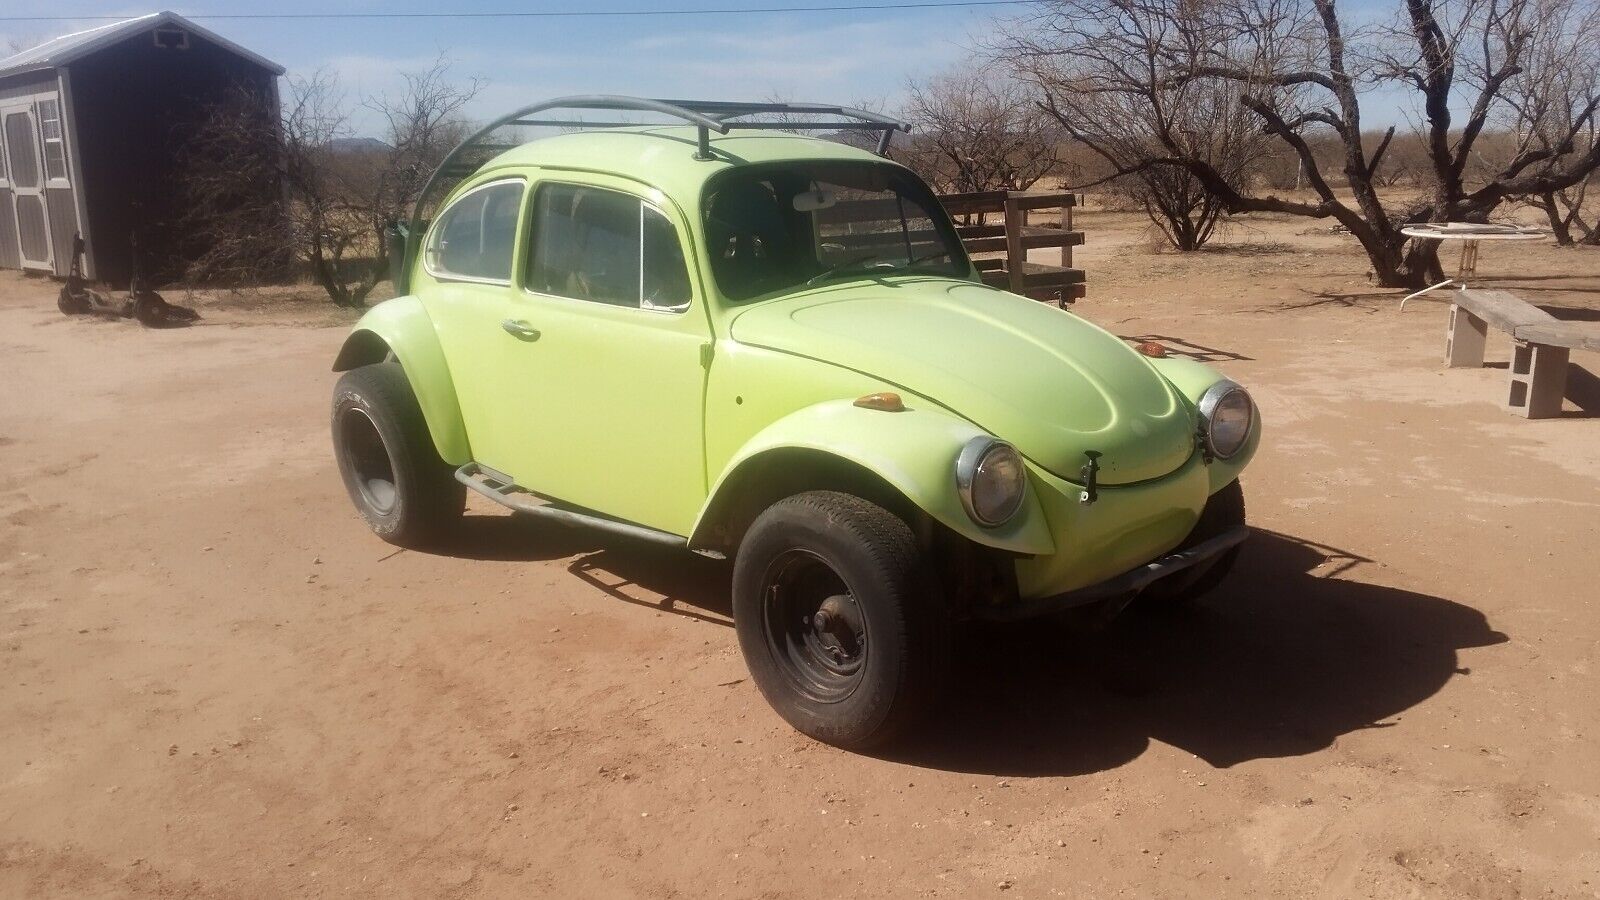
914, 451
1193, 379
401, 326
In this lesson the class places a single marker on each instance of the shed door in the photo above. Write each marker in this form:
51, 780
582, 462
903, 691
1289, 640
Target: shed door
21, 133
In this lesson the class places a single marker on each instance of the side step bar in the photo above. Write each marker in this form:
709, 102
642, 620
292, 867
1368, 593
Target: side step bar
502, 489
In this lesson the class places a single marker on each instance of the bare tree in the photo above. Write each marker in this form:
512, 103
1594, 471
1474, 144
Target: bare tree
1558, 83
1110, 94
973, 131
337, 196
1296, 67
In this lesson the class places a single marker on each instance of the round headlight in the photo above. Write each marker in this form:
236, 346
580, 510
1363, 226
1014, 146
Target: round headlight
991, 480
1226, 414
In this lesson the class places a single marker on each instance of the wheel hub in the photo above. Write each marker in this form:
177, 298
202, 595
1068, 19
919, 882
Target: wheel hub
815, 627
837, 628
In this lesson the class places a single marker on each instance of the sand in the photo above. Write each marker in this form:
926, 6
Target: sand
214, 682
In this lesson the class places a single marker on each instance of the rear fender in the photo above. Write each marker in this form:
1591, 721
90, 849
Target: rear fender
401, 326
914, 452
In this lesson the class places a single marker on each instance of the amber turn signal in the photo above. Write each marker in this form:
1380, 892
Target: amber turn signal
1153, 349
887, 401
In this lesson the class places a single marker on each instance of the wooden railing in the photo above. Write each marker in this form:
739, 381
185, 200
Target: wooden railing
1013, 236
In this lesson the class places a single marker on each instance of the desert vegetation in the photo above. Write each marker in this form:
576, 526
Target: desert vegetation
334, 193
1191, 112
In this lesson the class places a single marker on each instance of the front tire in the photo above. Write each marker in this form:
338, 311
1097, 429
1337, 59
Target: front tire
405, 492
1223, 512
843, 630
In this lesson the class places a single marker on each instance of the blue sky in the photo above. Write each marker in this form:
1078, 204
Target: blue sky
834, 56
843, 56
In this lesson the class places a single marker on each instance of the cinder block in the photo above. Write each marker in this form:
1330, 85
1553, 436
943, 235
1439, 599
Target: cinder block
1464, 340
1537, 380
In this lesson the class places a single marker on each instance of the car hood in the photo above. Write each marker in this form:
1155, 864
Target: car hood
1049, 382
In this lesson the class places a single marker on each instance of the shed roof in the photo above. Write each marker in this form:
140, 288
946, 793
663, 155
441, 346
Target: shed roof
69, 48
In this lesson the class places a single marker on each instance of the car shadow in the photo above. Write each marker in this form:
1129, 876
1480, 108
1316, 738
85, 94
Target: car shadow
519, 538
663, 578
1290, 652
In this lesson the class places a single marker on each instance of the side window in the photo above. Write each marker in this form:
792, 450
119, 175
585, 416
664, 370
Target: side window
663, 275
477, 235
55, 153
606, 247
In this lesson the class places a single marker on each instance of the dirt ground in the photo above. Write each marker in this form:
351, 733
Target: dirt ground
214, 682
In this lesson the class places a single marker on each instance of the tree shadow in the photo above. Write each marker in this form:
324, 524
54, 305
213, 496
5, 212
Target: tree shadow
1249, 248
1282, 660
1177, 346
1371, 301
663, 578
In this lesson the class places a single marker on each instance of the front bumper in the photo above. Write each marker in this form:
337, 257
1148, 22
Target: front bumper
1125, 586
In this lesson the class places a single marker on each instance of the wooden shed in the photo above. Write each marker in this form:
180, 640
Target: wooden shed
92, 130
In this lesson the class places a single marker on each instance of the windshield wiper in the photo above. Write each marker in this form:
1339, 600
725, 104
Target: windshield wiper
926, 258
837, 267
852, 263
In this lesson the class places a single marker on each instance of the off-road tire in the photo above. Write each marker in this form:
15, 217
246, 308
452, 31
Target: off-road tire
404, 491
905, 647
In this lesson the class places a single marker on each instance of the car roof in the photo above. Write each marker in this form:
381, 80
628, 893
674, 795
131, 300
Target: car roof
664, 156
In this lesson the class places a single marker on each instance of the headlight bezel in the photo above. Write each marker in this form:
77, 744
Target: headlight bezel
1210, 401
968, 465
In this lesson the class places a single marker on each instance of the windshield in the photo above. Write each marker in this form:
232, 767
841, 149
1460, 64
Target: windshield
786, 225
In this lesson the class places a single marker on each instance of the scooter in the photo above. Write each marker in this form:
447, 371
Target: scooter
142, 303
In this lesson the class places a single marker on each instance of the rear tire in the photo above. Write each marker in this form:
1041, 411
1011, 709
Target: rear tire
843, 630
405, 492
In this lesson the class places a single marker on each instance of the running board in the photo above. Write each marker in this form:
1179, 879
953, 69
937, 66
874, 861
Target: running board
502, 489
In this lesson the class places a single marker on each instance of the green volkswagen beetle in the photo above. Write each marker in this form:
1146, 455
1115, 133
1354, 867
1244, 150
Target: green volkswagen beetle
752, 343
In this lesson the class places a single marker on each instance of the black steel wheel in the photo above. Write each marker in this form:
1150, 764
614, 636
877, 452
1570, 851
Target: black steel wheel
393, 473
845, 633
815, 629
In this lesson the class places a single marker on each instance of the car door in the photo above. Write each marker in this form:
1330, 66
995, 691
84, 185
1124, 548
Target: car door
604, 390
468, 259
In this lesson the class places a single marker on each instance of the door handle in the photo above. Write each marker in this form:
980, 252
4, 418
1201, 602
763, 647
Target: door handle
519, 328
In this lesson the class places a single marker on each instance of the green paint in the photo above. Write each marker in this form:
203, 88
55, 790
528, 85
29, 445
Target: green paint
645, 415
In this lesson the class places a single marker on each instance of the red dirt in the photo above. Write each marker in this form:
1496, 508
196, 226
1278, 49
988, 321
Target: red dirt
215, 683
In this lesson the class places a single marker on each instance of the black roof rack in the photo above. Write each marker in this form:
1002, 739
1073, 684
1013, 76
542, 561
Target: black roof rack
706, 115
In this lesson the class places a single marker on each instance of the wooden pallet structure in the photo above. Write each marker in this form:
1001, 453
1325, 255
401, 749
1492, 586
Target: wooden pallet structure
1000, 250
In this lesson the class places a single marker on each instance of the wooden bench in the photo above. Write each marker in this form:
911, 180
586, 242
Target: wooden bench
1013, 237
1542, 344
